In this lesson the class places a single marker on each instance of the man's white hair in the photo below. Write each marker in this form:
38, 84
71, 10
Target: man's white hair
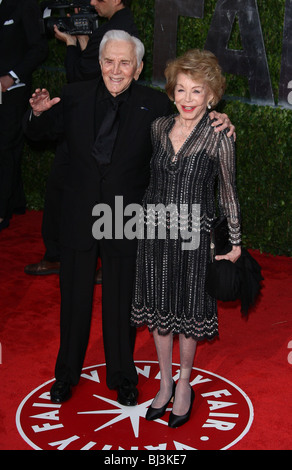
119, 35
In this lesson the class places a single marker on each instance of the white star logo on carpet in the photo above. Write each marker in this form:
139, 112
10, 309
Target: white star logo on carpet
123, 412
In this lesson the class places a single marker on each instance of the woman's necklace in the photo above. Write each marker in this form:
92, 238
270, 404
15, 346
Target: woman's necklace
185, 131
179, 135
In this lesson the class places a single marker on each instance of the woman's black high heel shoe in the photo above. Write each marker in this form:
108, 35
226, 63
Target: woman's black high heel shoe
156, 413
175, 421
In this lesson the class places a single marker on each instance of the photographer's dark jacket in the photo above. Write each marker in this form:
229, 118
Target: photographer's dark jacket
84, 65
78, 116
22, 47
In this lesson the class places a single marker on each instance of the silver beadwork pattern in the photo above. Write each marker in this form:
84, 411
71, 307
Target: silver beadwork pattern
169, 292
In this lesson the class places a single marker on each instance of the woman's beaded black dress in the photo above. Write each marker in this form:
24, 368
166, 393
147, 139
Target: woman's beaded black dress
169, 292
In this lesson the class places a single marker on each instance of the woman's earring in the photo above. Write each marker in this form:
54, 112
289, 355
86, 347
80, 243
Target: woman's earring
209, 106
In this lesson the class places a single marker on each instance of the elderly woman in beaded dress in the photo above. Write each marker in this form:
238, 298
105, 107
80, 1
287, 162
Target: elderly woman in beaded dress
188, 159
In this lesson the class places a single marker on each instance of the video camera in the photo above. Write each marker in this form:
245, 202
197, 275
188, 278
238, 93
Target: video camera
81, 23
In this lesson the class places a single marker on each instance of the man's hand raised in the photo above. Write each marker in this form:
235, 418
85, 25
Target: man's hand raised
40, 101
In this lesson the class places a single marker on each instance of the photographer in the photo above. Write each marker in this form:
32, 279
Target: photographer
82, 51
81, 64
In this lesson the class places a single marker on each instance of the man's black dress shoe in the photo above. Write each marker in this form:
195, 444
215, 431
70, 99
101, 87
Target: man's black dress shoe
127, 394
60, 392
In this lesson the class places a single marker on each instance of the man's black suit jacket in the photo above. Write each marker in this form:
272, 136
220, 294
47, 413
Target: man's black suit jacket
86, 185
22, 47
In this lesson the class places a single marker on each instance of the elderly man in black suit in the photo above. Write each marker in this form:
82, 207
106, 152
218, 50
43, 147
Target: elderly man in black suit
97, 175
22, 49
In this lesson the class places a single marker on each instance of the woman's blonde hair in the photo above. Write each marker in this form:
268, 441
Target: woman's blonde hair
199, 65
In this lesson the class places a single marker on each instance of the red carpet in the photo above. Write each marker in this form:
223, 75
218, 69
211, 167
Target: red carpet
243, 381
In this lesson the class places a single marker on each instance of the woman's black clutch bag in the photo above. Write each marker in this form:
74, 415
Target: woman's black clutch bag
219, 237
228, 281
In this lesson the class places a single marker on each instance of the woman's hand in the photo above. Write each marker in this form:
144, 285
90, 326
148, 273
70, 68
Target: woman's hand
232, 256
